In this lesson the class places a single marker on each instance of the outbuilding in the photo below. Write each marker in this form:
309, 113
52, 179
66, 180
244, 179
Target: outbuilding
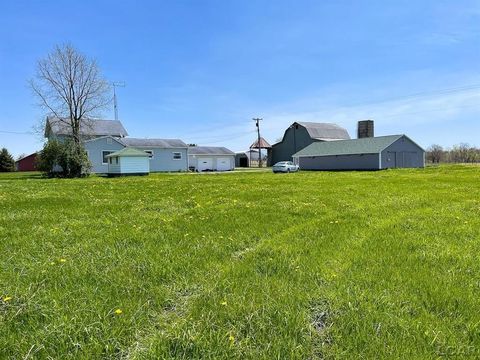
210, 158
27, 163
373, 153
301, 134
128, 161
241, 160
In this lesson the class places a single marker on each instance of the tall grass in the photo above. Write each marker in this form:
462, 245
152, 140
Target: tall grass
248, 265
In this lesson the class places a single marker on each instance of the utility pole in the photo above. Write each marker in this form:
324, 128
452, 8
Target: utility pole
115, 105
257, 123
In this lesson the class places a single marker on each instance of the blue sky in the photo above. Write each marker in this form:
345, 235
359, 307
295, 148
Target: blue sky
200, 70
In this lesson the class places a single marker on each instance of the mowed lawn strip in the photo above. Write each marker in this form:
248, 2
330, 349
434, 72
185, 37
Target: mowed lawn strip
244, 265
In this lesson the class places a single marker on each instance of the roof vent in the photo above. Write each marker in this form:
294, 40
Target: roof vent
365, 129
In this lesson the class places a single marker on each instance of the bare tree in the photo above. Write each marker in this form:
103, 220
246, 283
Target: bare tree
70, 86
435, 153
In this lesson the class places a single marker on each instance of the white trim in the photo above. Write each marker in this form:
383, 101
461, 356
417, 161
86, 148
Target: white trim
177, 152
109, 151
151, 151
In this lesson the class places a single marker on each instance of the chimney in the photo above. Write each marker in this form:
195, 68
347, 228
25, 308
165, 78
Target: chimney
365, 129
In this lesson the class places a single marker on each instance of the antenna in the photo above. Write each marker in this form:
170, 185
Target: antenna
115, 105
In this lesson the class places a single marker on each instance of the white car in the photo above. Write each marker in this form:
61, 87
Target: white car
285, 166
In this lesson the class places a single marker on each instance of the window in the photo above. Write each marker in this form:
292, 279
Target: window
104, 156
116, 160
109, 140
177, 156
150, 153
110, 160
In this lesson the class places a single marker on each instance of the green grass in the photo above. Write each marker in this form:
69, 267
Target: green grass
242, 265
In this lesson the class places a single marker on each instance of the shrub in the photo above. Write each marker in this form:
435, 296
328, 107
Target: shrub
63, 159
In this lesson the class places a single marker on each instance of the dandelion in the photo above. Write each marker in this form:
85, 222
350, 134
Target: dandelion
63, 260
465, 222
118, 311
231, 338
336, 221
7, 298
223, 303
52, 263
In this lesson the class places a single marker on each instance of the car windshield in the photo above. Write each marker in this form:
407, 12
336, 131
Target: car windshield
281, 163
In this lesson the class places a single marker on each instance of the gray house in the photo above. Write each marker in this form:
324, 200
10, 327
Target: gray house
210, 158
60, 130
103, 137
374, 153
164, 154
301, 134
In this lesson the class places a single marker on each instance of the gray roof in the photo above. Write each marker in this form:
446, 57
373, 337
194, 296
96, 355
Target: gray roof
89, 127
154, 143
372, 145
209, 150
129, 152
324, 131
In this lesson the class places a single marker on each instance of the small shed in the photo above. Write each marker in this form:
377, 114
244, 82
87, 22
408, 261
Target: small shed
210, 158
375, 153
128, 161
241, 160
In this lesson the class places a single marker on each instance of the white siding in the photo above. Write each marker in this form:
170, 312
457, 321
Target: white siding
114, 168
194, 159
134, 165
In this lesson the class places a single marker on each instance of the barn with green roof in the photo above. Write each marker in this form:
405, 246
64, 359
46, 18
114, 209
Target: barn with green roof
372, 153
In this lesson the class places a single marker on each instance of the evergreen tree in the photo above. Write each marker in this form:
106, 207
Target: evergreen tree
6, 161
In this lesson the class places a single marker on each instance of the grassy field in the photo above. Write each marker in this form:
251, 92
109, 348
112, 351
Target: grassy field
242, 265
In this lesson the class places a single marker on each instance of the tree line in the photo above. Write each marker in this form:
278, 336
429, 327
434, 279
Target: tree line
461, 153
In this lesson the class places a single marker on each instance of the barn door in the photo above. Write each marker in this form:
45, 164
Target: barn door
391, 159
399, 160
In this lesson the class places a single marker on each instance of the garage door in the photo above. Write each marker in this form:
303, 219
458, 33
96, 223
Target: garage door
204, 164
223, 164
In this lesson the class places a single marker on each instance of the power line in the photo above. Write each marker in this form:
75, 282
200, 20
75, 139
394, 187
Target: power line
17, 132
222, 138
418, 95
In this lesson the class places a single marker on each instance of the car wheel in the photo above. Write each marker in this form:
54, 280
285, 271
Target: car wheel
288, 171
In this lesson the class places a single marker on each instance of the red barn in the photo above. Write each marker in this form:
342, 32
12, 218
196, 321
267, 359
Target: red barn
27, 163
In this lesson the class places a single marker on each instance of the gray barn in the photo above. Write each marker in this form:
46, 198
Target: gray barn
383, 152
301, 134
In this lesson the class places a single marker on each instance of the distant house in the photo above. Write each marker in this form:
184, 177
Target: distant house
104, 137
301, 134
128, 161
370, 153
210, 158
59, 129
27, 163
